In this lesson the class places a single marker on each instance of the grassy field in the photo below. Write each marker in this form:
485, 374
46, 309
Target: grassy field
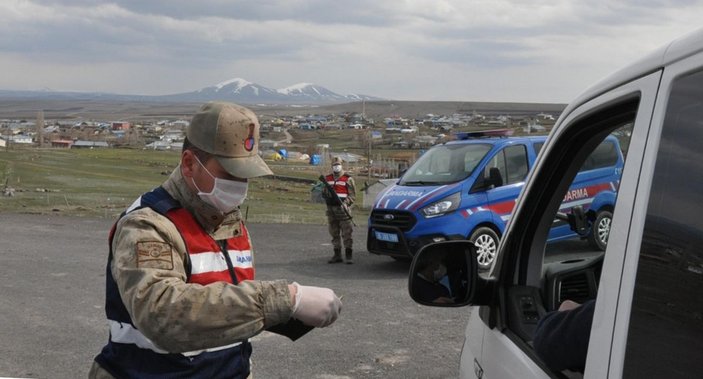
102, 182
143, 110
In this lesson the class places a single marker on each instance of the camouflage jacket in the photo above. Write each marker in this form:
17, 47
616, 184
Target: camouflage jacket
179, 316
350, 197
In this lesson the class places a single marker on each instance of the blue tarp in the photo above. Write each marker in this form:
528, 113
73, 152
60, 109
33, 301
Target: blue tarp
315, 159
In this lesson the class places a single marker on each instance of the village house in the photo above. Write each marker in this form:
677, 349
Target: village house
173, 135
62, 143
120, 125
89, 144
21, 139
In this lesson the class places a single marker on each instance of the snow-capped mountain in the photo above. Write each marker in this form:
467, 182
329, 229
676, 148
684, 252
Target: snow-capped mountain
240, 87
312, 92
245, 92
237, 90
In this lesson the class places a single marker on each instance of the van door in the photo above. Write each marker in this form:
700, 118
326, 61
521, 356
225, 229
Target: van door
510, 167
534, 278
594, 190
660, 295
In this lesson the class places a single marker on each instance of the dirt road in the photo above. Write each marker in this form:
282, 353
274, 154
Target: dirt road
53, 323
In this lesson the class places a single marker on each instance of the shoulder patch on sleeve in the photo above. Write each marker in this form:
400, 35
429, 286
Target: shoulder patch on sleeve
154, 254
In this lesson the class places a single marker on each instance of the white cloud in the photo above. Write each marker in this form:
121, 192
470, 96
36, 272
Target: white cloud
492, 50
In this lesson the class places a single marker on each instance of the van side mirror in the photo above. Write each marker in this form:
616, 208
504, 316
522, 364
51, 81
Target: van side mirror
494, 177
445, 274
488, 180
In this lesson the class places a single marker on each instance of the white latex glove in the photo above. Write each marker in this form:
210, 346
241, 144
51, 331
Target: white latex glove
316, 306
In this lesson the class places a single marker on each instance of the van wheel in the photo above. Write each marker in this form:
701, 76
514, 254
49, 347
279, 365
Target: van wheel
486, 242
600, 230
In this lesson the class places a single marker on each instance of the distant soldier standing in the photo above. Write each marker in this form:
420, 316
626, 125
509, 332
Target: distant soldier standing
339, 217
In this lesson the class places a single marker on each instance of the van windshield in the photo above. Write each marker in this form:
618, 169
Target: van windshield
445, 164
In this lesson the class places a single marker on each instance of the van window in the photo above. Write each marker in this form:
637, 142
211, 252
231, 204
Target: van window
667, 303
446, 164
538, 147
512, 164
604, 155
568, 269
516, 161
472, 157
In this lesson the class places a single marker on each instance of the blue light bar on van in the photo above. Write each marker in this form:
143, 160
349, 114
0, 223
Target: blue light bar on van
484, 133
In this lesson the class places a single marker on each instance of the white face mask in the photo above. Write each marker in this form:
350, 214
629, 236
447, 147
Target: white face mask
337, 168
226, 195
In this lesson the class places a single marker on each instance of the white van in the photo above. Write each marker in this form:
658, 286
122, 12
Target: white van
647, 285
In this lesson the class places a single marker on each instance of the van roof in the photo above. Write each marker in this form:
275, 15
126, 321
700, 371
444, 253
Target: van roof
496, 140
484, 133
673, 51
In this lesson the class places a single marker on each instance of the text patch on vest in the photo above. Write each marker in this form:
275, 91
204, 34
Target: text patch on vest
154, 254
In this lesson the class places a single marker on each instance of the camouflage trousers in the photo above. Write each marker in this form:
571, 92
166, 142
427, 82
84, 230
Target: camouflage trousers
340, 227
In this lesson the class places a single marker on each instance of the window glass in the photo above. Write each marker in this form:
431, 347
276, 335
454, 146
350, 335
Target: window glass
511, 162
498, 162
440, 164
472, 157
538, 147
445, 164
573, 257
668, 298
605, 155
516, 163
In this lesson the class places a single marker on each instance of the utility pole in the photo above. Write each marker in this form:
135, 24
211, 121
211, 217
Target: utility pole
7, 141
368, 154
369, 136
40, 128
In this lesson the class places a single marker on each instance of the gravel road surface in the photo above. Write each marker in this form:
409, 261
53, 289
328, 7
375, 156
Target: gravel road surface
53, 322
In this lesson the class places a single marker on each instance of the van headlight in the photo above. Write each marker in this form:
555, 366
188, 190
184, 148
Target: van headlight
441, 207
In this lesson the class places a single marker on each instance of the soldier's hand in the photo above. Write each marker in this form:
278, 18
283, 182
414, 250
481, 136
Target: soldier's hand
316, 306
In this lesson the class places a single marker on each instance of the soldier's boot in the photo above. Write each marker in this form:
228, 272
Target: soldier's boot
337, 257
348, 256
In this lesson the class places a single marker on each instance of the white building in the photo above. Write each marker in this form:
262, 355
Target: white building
21, 139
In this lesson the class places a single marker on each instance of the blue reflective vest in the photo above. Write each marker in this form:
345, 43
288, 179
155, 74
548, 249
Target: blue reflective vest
129, 354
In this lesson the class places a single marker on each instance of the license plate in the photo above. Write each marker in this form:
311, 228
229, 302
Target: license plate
388, 237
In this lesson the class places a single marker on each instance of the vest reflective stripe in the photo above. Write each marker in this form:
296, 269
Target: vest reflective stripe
135, 205
339, 185
126, 333
215, 261
208, 263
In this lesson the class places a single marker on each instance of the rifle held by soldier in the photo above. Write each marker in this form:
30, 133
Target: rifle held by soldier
335, 198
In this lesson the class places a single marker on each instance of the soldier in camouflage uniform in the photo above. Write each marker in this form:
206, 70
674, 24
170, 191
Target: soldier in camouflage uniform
339, 217
181, 299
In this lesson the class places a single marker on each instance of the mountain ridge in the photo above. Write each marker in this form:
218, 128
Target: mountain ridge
237, 90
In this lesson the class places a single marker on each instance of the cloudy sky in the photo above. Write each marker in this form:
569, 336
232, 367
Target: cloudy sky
465, 50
